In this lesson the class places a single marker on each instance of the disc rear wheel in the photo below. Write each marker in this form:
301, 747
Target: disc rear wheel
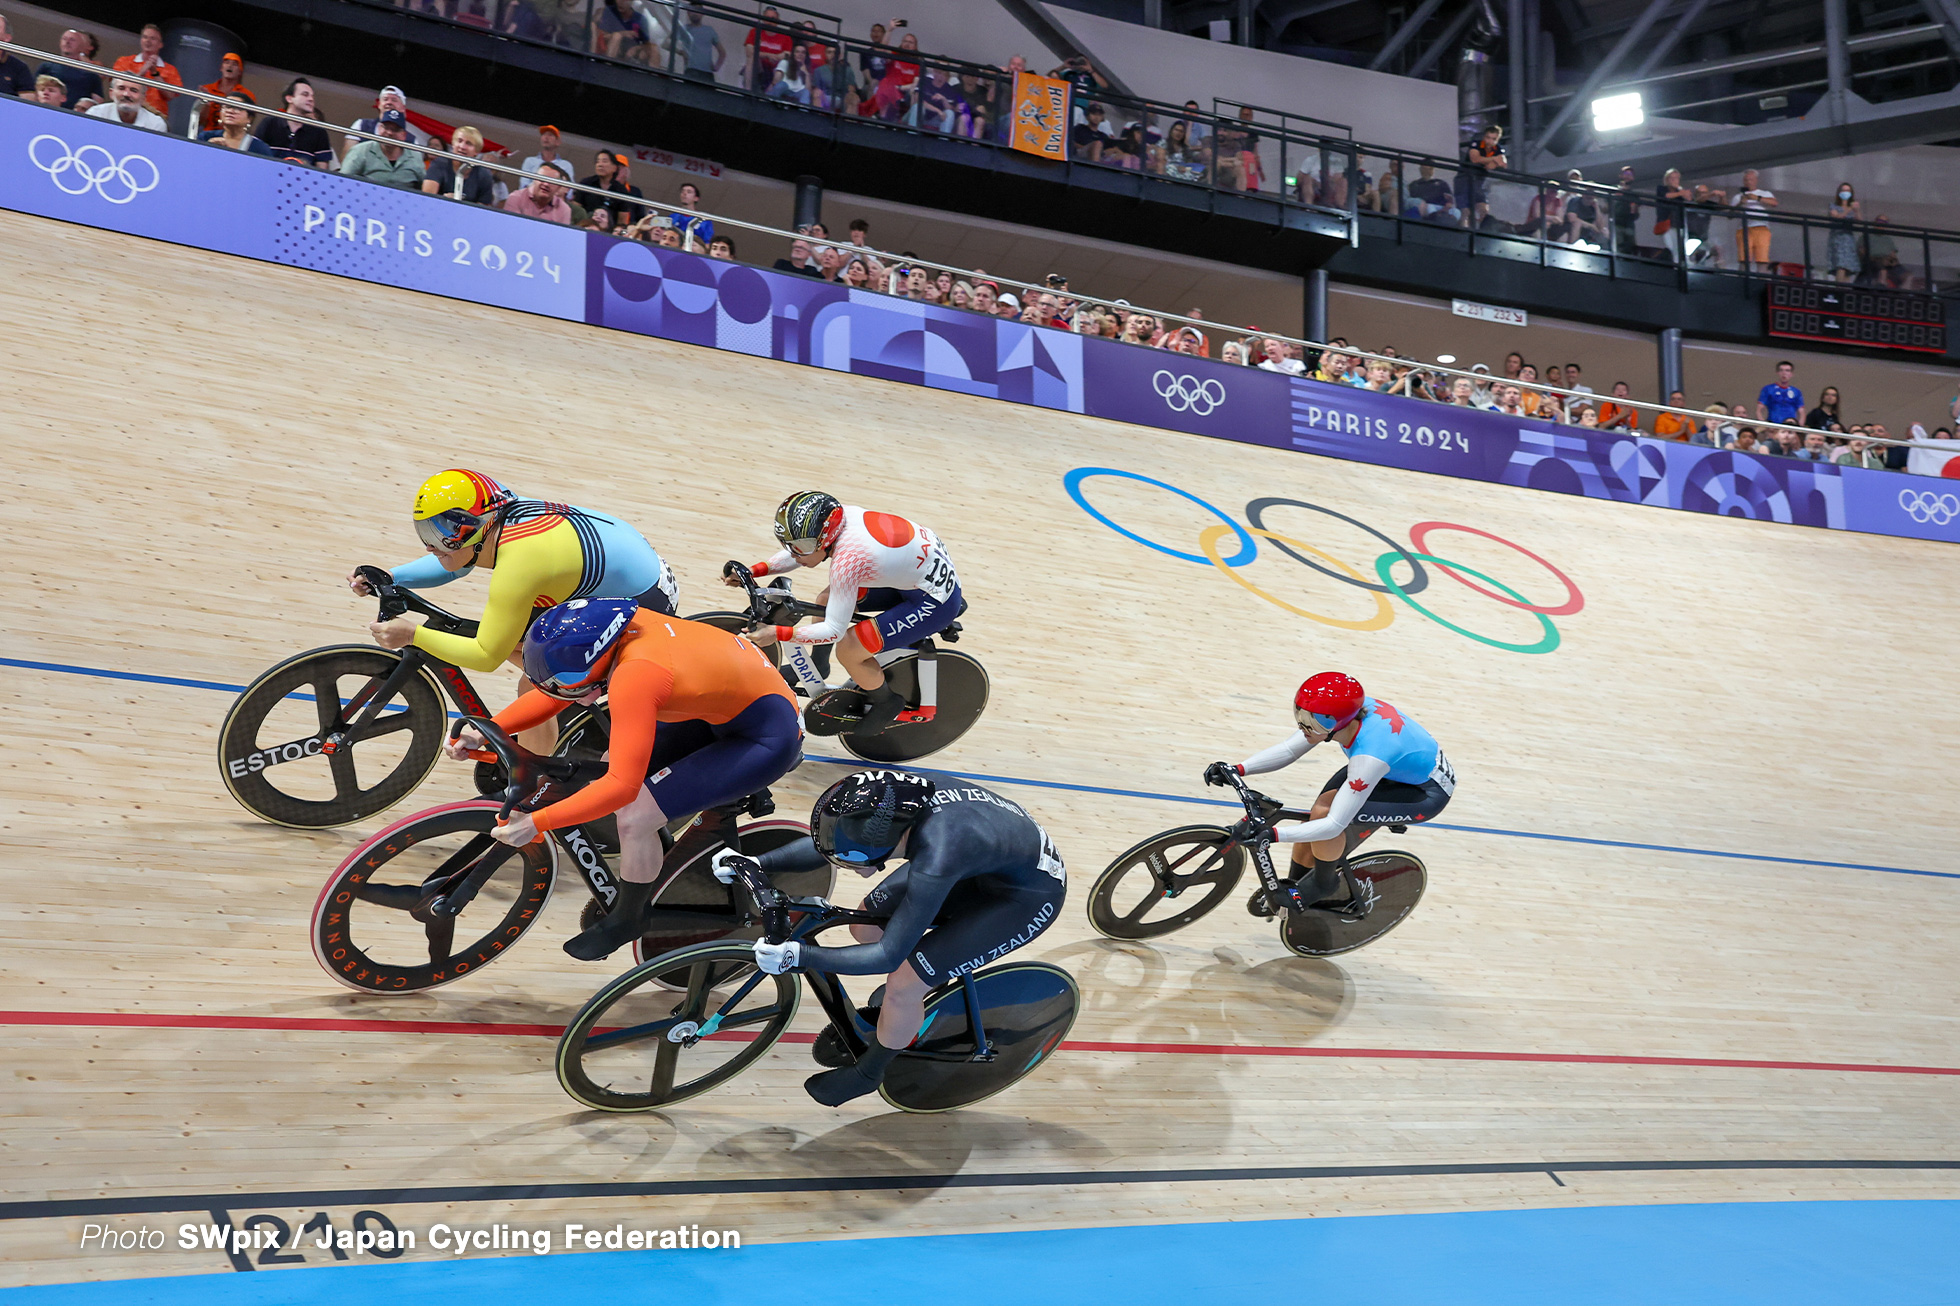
963, 692
1398, 879
1026, 1009
694, 907
1165, 882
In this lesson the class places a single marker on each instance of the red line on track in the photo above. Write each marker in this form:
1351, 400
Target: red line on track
166, 1020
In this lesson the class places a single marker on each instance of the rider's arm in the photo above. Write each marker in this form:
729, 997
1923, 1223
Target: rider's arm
847, 572
797, 855
516, 581
533, 707
780, 564
1285, 753
925, 893
1363, 774
426, 573
635, 693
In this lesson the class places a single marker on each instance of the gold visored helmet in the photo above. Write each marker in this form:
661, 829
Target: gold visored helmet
454, 508
808, 520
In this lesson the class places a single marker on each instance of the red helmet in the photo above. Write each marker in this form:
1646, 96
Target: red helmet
1329, 700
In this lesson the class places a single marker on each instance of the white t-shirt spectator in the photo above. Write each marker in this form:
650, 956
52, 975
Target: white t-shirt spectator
1751, 203
1290, 366
110, 111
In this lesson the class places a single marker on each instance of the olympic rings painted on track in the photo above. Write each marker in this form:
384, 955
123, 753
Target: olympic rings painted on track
1248, 547
1299, 551
1574, 600
1384, 611
1255, 513
1544, 645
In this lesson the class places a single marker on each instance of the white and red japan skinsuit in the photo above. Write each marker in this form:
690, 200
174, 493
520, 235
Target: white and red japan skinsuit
872, 551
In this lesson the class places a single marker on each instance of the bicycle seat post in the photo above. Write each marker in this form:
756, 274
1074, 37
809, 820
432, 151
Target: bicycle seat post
983, 1048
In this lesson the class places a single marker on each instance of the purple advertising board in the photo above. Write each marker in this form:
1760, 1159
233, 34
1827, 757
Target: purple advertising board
101, 174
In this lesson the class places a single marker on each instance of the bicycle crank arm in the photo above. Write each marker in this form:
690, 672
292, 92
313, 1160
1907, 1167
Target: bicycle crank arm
1361, 896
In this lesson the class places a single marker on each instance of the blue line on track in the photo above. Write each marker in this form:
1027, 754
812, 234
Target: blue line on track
1124, 793
1844, 1253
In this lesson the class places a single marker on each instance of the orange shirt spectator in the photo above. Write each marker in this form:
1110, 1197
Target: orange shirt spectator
149, 64
1618, 413
1675, 426
230, 69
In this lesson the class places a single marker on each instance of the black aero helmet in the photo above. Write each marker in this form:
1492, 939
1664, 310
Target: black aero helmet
808, 520
860, 819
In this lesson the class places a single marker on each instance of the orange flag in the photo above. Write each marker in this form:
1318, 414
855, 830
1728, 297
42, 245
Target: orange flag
1041, 106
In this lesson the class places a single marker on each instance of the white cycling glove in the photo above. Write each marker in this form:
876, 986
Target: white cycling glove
725, 863
775, 958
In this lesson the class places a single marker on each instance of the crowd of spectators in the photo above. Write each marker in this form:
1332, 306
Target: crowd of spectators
1778, 423
1675, 222
606, 199
885, 76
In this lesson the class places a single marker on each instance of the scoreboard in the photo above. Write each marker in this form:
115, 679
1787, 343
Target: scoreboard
1885, 319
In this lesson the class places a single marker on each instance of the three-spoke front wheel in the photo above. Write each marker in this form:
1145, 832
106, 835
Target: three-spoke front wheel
1166, 882
273, 746
675, 1027
375, 928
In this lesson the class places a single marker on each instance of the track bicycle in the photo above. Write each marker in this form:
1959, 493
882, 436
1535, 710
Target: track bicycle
288, 747
945, 690
1187, 872
434, 897
710, 1005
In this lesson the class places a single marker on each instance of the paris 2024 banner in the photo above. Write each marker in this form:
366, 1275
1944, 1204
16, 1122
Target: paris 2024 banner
77, 169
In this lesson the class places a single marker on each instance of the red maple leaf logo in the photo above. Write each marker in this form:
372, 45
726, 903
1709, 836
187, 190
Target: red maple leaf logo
1390, 715
1357, 785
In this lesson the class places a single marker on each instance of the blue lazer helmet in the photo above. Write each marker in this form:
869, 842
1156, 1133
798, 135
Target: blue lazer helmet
860, 819
568, 652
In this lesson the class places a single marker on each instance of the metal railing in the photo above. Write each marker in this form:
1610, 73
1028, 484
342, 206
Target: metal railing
1632, 232
1414, 383
1237, 148
819, 70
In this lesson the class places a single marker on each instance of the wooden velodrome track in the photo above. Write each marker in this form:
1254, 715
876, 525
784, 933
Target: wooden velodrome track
201, 447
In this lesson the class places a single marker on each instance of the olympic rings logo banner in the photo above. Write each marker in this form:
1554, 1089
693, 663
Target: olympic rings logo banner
1188, 394
1417, 562
1929, 506
92, 168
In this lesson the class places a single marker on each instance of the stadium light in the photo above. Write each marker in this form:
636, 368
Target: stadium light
1446, 359
1611, 113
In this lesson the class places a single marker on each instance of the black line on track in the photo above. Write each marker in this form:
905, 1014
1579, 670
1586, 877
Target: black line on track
41, 1210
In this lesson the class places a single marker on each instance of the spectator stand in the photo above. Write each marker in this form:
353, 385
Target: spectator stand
1281, 151
1170, 331
909, 90
1629, 232
1622, 233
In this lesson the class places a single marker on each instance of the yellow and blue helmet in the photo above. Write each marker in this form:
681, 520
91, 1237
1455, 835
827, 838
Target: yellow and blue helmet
454, 508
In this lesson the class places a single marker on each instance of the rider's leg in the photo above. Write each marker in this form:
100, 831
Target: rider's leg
694, 767
904, 1008
915, 615
898, 1021
859, 662
640, 857
640, 853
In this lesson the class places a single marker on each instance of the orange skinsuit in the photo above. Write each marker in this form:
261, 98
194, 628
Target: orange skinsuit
664, 669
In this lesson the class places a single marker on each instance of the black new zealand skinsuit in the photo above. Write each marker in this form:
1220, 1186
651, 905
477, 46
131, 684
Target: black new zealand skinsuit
981, 879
